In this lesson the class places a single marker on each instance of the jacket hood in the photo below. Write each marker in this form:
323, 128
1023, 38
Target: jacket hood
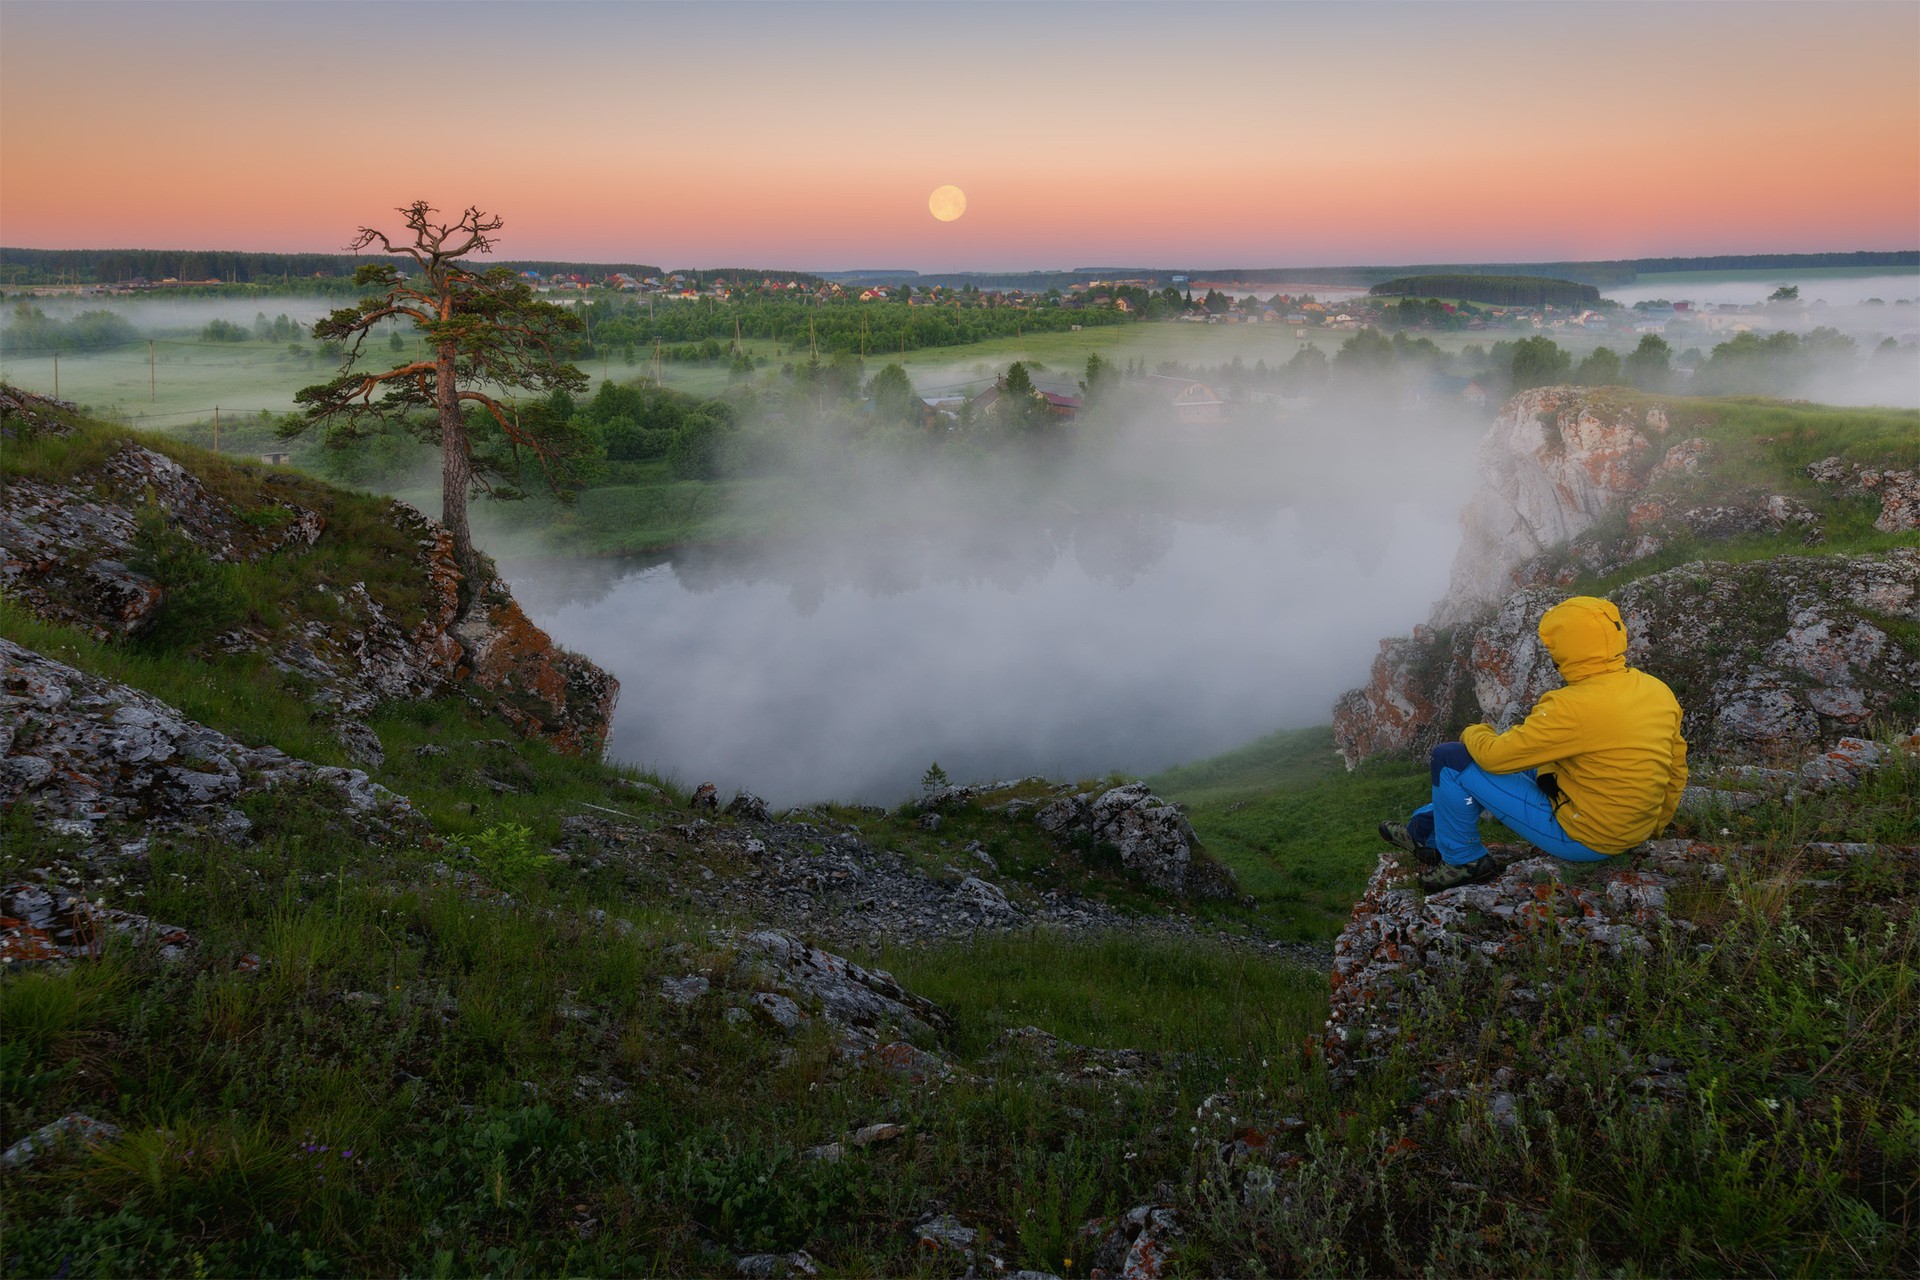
1585, 637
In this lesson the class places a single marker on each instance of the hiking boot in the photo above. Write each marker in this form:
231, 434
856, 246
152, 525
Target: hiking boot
1448, 876
1396, 834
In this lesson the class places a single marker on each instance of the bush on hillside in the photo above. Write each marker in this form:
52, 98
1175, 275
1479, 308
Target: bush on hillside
202, 598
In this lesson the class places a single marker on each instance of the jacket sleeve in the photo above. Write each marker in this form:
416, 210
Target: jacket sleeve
1676, 783
1550, 732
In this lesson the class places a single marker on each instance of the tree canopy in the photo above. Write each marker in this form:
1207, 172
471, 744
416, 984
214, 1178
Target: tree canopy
1514, 291
1537, 362
488, 340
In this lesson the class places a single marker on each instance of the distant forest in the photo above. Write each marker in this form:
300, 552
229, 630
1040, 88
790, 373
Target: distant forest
1506, 291
114, 266
110, 266
1606, 274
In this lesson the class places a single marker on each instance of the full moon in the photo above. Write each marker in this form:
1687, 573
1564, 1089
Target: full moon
947, 203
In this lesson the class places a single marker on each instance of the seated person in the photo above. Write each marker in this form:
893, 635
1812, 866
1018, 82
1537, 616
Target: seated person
1596, 767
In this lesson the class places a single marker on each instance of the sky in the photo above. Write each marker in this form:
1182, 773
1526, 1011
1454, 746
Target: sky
809, 135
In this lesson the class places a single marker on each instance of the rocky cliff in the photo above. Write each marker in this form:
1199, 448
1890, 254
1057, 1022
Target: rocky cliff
362, 602
1590, 490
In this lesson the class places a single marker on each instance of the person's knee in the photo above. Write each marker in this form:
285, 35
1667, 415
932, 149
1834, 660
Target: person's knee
1447, 755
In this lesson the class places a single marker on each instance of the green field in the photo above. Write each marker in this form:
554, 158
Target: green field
190, 378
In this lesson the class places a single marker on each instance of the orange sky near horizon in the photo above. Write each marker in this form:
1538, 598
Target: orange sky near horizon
809, 136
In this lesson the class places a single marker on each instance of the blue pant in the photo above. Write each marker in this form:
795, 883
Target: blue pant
1461, 789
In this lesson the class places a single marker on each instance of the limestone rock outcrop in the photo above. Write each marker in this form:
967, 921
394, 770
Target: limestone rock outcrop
1578, 482
87, 752
1399, 939
1153, 838
1554, 462
65, 548
1782, 651
1897, 491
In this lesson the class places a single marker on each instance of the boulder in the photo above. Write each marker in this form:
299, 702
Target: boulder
81, 750
1153, 839
750, 807
984, 899
74, 1131
856, 999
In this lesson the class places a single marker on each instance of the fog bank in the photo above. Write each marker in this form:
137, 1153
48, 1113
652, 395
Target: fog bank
771, 677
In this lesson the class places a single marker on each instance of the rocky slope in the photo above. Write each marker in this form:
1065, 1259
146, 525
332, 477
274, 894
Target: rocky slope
1581, 484
1770, 657
416, 631
1404, 949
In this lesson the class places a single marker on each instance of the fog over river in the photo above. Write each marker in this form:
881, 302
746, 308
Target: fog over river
1125, 643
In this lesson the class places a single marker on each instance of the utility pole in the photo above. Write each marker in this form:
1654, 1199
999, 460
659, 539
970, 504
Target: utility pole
656, 362
56, 375
216, 428
153, 382
739, 347
813, 347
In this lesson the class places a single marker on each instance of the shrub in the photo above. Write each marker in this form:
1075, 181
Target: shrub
202, 598
506, 853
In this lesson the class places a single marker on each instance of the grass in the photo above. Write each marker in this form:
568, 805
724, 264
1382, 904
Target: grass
359, 543
1295, 826
1119, 991
191, 377
274, 1128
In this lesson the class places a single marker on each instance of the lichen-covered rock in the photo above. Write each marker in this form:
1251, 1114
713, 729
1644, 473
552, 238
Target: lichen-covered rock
1792, 650
40, 923
1153, 838
1410, 698
858, 1000
1397, 936
1898, 491
82, 751
75, 1131
1554, 462
1066, 814
1398, 939
65, 548
540, 688
1683, 459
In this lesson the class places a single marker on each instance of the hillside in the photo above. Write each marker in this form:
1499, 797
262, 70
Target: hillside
332, 946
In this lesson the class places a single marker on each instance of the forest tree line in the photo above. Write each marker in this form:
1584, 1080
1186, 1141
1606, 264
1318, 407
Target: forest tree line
1506, 291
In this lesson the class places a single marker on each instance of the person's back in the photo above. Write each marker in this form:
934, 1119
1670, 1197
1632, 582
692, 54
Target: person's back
1622, 787
1596, 767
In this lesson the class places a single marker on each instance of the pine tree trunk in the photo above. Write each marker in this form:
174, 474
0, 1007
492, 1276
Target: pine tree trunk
456, 475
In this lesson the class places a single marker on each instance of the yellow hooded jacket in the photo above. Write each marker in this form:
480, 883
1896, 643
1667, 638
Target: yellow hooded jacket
1610, 738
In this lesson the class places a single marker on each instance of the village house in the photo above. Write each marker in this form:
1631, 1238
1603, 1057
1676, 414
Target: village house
1060, 406
1194, 403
